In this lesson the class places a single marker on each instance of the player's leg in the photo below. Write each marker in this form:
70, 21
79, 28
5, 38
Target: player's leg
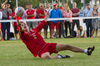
48, 56
62, 47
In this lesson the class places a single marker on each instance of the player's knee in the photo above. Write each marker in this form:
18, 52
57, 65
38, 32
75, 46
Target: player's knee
68, 47
45, 56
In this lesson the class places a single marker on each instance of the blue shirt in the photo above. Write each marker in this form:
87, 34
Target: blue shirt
87, 12
55, 14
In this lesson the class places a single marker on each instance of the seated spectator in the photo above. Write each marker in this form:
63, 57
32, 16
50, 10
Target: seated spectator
95, 21
0, 26
81, 32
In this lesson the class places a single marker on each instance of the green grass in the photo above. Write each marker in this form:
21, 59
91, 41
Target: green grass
15, 53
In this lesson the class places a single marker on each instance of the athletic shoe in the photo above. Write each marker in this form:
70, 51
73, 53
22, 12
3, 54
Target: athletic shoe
2, 40
90, 50
63, 56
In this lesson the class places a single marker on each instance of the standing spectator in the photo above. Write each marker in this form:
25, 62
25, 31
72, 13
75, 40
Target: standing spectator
30, 14
27, 6
36, 16
41, 12
95, 22
49, 22
87, 13
55, 13
0, 27
7, 12
75, 13
15, 26
68, 23
61, 25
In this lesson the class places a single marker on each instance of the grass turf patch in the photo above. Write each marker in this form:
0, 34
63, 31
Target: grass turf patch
15, 53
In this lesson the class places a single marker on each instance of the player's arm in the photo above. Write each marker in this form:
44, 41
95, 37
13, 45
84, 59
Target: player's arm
3, 4
19, 24
41, 25
30, 15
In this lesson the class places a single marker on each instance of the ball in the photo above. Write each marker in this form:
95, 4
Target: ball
19, 11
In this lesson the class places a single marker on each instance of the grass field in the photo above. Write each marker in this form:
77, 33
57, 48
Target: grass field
15, 53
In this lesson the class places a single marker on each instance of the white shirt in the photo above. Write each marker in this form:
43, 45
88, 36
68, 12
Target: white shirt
48, 10
0, 15
87, 12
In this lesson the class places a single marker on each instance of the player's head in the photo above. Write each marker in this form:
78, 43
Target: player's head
47, 5
24, 27
41, 6
27, 5
88, 6
7, 5
55, 6
80, 28
74, 4
30, 6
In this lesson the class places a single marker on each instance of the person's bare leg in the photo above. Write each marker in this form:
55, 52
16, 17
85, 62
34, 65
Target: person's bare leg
93, 32
52, 31
16, 36
48, 56
45, 33
1, 34
96, 32
57, 31
62, 47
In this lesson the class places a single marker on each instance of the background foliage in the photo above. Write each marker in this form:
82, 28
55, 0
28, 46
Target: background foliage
36, 2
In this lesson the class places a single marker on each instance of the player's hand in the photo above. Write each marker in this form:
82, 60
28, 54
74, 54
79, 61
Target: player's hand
7, 10
19, 24
6, 1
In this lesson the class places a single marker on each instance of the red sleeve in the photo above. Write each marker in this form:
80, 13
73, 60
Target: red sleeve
22, 35
13, 14
40, 26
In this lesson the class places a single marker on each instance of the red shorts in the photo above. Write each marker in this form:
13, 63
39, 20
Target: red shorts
55, 24
50, 47
0, 25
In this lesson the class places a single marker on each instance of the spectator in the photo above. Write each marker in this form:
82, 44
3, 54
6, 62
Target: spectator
55, 13
36, 16
30, 14
41, 12
0, 27
81, 32
7, 12
68, 23
87, 13
27, 6
48, 22
15, 26
75, 13
95, 22
61, 25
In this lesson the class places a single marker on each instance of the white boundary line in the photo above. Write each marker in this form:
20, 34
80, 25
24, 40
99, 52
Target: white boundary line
50, 19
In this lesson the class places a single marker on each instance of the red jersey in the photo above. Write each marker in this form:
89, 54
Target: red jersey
30, 12
33, 40
75, 10
41, 12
